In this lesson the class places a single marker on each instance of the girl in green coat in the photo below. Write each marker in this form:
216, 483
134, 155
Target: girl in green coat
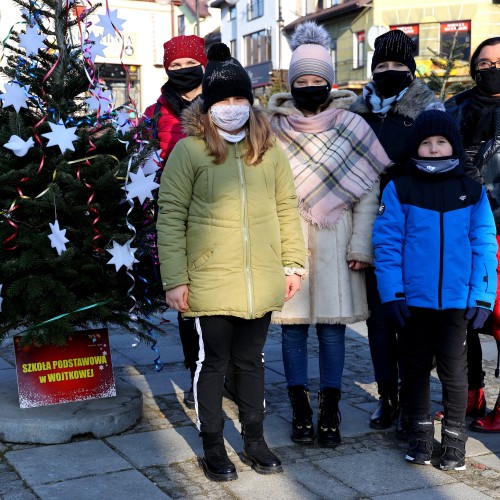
231, 251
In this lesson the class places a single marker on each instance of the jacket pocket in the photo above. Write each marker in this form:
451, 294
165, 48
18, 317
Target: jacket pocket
202, 259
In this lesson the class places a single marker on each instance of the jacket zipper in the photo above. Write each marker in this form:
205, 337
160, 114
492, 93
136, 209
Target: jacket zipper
244, 218
441, 252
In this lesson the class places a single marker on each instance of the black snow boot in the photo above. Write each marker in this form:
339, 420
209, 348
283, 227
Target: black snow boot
256, 452
215, 462
420, 440
302, 425
453, 439
329, 417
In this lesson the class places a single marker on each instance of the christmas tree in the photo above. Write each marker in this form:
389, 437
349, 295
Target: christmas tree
77, 245
450, 59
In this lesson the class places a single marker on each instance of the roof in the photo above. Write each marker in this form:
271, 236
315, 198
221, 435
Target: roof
337, 10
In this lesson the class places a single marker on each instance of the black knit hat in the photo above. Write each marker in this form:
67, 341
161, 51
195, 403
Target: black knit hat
224, 77
435, 122
395, 46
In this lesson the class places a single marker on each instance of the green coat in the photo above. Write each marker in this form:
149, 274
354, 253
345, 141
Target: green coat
227, 230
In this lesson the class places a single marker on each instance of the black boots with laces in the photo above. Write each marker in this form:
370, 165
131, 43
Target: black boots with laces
329, 417
302, 425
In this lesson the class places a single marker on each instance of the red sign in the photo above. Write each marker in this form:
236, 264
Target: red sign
80, 370
454, 26
407, 29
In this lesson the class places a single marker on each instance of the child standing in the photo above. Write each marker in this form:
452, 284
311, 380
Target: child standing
231, 252
435, 261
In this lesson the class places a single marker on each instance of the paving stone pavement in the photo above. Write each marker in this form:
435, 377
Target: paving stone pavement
157, 459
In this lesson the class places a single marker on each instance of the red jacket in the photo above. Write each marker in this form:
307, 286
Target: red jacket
169, 127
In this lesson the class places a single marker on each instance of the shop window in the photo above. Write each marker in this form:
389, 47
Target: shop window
125, 85
181, 25
451, 30
232, 12
412, 30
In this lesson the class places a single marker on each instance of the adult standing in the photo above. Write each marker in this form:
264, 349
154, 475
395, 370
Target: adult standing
230, 243
184, 60
477, 113
390, 103
336, 161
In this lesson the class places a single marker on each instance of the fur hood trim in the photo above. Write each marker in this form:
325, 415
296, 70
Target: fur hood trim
190, 119
284, 104
416, 100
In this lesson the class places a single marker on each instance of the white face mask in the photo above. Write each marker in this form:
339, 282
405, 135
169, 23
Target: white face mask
230, 117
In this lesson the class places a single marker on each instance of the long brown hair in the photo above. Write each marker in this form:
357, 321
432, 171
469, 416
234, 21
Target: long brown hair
259, 137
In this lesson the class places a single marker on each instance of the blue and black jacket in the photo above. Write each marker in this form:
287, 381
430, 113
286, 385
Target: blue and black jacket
434, 241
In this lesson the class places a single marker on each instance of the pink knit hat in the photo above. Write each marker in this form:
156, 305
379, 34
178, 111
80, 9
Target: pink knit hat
184, 46
310, 56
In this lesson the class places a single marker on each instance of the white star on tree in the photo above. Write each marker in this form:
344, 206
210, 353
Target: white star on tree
109, 22
123, 121
152, 163
61, 136
32, 41
94, 46
100, 101
15, 95
58, 237
141, 186
123, 255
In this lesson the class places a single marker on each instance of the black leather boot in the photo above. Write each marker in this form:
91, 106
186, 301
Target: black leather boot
402, 426
453, 439
329, 417
215, 462
256, 452
385, 414
302, 425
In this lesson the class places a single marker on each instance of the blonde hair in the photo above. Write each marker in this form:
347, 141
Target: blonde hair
259, 137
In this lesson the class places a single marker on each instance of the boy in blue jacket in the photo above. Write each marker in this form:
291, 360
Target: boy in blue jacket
435, 261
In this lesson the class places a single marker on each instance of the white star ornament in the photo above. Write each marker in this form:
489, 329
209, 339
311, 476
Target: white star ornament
32, 41
123, 255
152, 163
109, 22
141, 186
15, 95
61, 136
58, 237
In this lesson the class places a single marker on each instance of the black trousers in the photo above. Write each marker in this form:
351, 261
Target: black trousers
382, 338
442, 334
189, 341
222, 338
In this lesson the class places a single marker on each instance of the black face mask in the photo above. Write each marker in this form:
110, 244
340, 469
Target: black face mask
489, 81
185, 79
391, 82
311, 98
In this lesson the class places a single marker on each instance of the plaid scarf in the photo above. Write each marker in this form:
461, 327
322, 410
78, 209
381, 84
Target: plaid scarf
335, 158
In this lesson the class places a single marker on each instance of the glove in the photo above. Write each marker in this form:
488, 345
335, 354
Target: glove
478, 315
396, 312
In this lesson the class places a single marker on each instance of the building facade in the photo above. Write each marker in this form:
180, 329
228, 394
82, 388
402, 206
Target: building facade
135, 69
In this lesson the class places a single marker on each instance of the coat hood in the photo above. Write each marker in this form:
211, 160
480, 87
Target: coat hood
418, 98
191, 119
284, 104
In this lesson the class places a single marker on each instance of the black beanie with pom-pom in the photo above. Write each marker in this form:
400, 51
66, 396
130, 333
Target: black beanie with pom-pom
224, 77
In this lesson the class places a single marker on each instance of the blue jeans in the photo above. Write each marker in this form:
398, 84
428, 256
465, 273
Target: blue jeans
331, 354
